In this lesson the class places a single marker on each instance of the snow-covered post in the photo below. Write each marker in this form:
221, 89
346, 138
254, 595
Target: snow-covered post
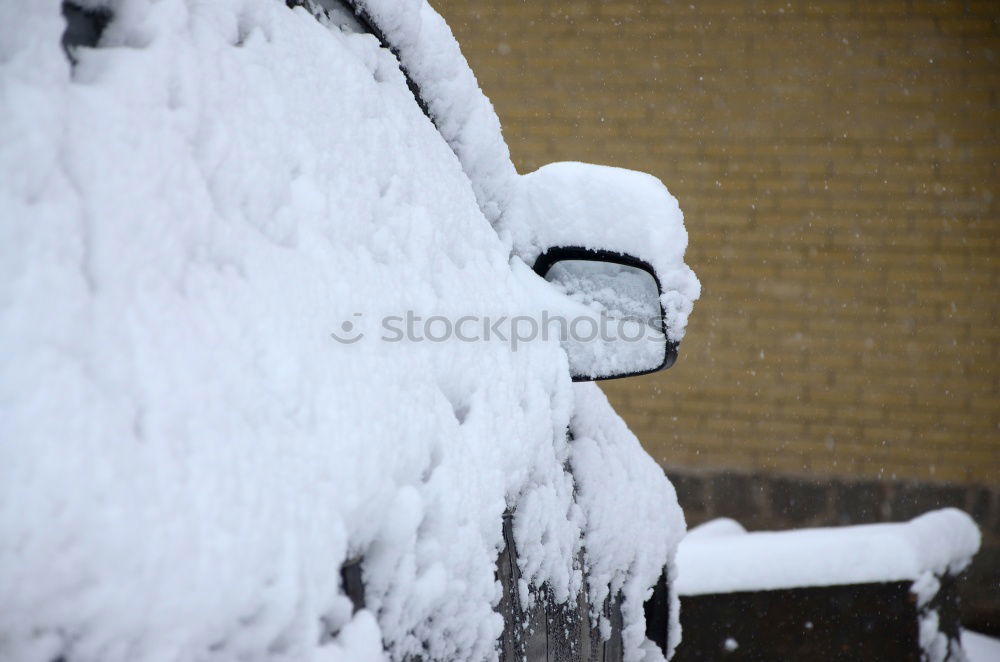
870, 592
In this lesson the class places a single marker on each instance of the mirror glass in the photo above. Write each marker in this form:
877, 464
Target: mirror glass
619, 290
617, 328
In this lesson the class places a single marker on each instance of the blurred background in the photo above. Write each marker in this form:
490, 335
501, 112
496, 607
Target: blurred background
837, 165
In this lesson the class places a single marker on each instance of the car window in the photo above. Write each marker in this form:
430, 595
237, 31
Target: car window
338, 12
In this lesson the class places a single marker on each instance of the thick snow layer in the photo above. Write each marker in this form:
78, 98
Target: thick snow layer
722, 558
433, 60
608, 464
979, 647
716, 528
600, 207
187, 455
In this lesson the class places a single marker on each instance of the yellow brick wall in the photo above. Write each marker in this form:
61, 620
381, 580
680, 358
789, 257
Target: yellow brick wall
837, 164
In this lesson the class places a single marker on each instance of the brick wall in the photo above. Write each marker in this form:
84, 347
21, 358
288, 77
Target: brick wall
837, 165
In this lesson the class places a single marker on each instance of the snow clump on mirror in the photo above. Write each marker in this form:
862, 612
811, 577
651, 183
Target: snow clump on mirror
614, 209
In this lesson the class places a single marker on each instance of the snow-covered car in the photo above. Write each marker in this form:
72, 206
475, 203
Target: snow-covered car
271, 388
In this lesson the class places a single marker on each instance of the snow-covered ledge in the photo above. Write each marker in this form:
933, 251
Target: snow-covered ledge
720, 557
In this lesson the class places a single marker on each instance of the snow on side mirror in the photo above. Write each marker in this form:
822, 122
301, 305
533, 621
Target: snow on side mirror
618, 326
584, 213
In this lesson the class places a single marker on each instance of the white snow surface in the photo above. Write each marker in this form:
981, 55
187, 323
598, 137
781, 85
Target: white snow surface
186, 456
463, 114
722, 558
719, 527
979, 647
608, 465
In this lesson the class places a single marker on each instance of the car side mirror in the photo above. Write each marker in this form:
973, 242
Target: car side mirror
618, 327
